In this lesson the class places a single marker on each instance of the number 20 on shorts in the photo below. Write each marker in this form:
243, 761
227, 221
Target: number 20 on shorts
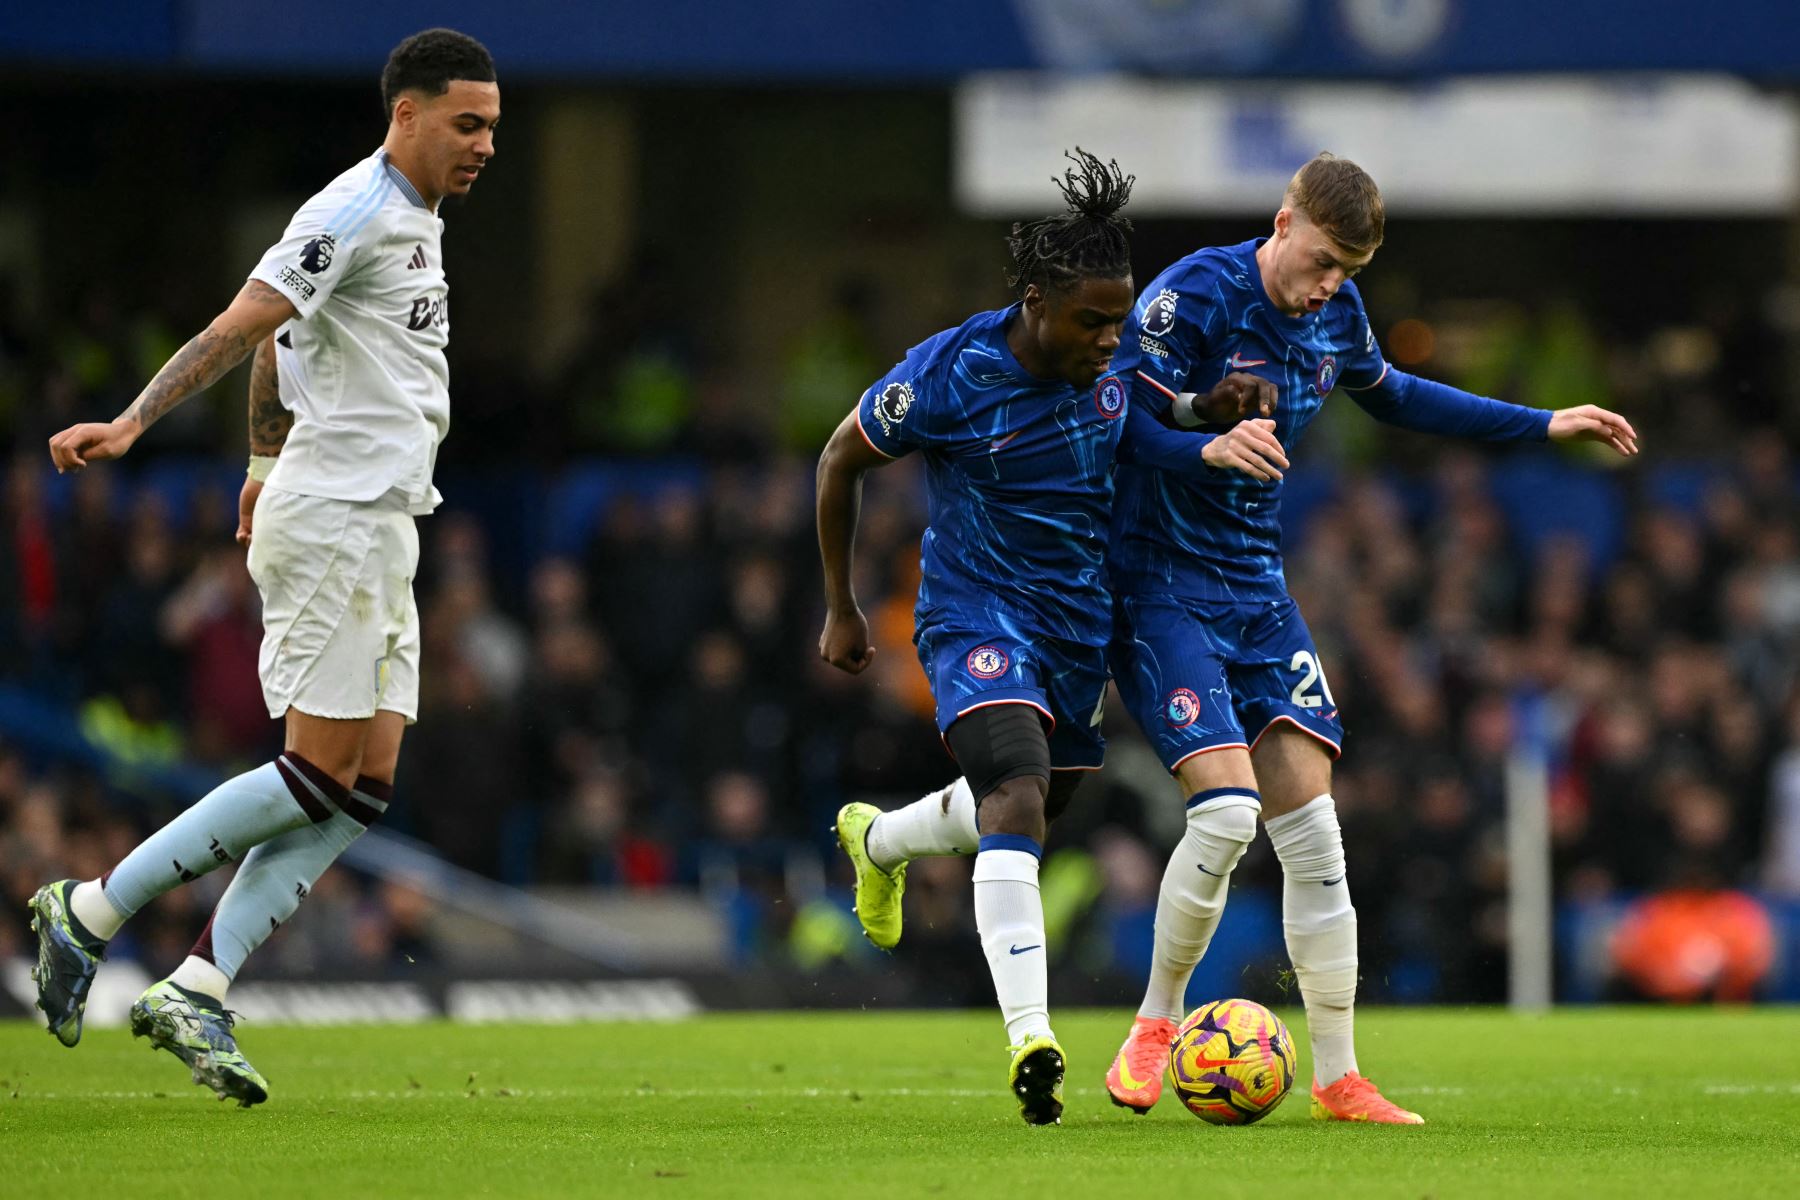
1307, 663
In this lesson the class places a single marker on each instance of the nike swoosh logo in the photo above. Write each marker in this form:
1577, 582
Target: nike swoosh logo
1213, 1062
1334, 882
1238, 362
1023, 949
1125, 1076
1214, 874
1003, 443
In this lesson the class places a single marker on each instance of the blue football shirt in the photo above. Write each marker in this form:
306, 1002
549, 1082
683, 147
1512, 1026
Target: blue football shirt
1216, 535
1019, 480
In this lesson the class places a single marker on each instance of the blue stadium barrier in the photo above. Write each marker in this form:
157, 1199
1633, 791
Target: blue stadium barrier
1681, 486
528, 515
1246, 956
48, 733
578, 499
179, 482
1544, 497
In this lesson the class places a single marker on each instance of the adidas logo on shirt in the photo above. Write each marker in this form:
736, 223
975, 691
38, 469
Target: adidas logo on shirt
417, 261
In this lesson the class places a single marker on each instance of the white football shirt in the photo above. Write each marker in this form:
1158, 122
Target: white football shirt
362, 368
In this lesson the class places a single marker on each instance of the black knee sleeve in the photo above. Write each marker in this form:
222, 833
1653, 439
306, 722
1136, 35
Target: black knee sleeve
998, 743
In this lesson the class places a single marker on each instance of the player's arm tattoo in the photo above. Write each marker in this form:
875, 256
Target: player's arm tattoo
221, 346
269, 421
195, 367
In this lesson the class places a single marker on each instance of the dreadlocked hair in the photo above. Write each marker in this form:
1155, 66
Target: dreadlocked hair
1088, 241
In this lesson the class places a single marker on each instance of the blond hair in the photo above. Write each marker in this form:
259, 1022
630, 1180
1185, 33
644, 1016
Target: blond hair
1339, 197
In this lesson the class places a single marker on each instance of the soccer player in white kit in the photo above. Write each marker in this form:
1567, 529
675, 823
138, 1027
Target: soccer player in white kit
350, 309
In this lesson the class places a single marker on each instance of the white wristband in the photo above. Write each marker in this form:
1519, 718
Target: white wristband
1183, 410
261, 465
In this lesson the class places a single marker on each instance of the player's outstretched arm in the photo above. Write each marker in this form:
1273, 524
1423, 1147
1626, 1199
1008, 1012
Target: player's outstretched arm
1426, 406
847, 458
1591, 423
269, 426
256, 313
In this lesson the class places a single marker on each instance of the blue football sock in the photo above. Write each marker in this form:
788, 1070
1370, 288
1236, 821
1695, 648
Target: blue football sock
277, 875
239, 814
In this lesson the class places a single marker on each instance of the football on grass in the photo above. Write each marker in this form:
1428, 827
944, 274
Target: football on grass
1232, 1061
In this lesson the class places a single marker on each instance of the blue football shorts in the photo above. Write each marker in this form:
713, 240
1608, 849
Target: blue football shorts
1206, 675
970, 667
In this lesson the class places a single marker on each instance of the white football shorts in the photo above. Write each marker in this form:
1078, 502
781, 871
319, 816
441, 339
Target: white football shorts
340, 628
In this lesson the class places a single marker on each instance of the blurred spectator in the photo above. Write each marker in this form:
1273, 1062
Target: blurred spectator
596, 840
632, 379
461, 765
1692, 945
830, 363
738, 864
1781, 865
215, 618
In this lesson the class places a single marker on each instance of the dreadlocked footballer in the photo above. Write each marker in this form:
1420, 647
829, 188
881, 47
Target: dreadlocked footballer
1020, 415
1087, 242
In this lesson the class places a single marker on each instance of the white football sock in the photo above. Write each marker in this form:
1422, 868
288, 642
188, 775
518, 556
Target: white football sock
1009, 913
1320, 926
1220, 825
940, 823
198, 975
89, 905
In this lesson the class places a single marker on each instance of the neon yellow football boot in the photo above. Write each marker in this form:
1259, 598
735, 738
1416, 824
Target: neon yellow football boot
197, 1030
1036, 1078
67, 958
878, 892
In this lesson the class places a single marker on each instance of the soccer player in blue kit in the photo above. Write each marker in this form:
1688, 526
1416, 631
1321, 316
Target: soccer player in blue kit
1211, 654
1018, 413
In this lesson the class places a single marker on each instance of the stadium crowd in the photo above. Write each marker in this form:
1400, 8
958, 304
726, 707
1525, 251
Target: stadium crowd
637, 703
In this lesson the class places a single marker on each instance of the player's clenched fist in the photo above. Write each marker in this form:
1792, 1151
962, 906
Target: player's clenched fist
1250, 447
845, 642
1240, 395
71, 449
247, 510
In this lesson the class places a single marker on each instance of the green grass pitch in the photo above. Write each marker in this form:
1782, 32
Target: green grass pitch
1585, 1103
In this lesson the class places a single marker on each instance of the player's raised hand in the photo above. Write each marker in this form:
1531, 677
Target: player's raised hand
72, 449
1591, 423
1239, 396
1251, 447
845, 642
247, 509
